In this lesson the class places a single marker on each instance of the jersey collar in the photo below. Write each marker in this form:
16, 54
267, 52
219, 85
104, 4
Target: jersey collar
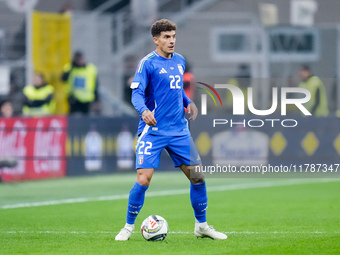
172, 55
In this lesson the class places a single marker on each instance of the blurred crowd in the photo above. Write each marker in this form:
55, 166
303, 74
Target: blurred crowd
37, 98
81, 85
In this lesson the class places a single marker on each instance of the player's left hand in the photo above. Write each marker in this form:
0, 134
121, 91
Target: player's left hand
192, 109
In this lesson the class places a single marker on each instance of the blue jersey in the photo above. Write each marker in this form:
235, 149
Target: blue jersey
158, 86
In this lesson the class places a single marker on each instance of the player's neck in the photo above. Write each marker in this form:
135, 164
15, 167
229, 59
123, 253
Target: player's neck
163, 54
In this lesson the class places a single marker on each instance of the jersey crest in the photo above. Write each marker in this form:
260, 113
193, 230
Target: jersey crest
180, 69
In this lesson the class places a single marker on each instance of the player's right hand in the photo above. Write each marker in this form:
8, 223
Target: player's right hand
149, 118
192, 109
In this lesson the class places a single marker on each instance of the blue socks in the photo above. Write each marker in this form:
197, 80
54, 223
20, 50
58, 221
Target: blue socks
198, 197
199, 201
135, 203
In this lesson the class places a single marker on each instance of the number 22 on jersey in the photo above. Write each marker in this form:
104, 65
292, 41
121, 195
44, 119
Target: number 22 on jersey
175, 79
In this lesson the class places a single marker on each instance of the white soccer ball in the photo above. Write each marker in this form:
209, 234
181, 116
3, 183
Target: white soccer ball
154, 228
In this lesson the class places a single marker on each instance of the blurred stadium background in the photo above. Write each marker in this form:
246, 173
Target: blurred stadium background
249, 43
271, 37
258, 44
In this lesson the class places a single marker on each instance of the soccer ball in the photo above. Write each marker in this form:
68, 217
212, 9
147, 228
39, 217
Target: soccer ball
154, 228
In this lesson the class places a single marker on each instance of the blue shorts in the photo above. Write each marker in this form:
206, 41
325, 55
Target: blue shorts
181, 149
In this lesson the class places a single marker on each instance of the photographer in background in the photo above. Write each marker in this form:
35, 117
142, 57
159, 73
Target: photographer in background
6, 108
6, 111
81, 80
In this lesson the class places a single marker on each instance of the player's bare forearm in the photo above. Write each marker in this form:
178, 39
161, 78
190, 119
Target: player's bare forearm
192, 109
149, 118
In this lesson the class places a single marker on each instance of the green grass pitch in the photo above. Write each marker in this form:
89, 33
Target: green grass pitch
260, 216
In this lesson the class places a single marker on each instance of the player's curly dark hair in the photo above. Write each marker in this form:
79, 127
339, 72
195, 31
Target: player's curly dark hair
162, 25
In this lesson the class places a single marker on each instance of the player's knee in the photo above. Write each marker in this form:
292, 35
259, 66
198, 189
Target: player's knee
197, 179
143, 179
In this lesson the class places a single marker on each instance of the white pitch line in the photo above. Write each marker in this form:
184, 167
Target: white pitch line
238, 186
170, 232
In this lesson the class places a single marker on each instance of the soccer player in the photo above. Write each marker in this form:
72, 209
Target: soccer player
159, 98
